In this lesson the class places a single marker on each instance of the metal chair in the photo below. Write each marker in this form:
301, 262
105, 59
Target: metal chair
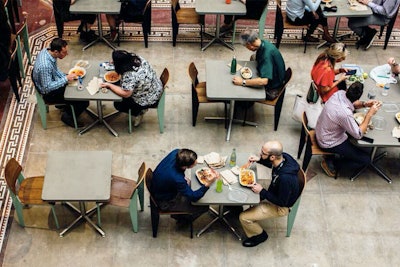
24, 191
293, 210
23, 44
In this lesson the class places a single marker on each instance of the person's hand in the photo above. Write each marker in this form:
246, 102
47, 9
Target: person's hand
374, 108
105, 85
342, 76
256, 188
71, 77
253, 158
209, 182
237, 80
364, 2
370, 103
187, 180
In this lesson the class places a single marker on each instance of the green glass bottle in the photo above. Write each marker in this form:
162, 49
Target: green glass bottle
232, 161
233, 65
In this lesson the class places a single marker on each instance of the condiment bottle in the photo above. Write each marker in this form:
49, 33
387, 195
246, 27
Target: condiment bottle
233, 65
232, 161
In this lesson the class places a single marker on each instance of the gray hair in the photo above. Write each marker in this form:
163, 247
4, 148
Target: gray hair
248, 37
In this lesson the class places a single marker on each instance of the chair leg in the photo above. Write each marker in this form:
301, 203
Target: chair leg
245, 116
278, 109
191, 228
18, 210
301, 142
74, 116
42, 110
234, 33
195, 110
155, 219
161, 111
55, 216
291, 217
133, 212
98, 214
307, 156
141, 196
130, 121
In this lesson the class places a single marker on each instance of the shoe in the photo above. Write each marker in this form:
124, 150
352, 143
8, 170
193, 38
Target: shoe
331, 172
370, 38
255, 240
137, 120
329, 39
225, 28
310, 39
65, 118
114, 35
60, 106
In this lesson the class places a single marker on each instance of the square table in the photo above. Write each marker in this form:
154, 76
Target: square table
219, 7
111, 7
72, 93
80, 176
222, 199
221, 87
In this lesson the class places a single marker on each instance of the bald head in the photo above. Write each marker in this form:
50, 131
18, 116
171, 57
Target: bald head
273, 148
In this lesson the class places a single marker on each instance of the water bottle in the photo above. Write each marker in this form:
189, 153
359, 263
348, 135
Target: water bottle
232, 161
233, 65
386, 88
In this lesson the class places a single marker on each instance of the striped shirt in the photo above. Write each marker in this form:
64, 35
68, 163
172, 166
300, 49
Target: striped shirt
336, 121
46, 75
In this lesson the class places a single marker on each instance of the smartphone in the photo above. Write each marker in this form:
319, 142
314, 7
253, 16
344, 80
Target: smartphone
351, 72
367, 139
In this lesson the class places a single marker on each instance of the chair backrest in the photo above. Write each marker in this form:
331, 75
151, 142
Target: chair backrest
149, 180
288, 76
140, 178
11, 173
301, 176
164, 77
175, 5
304, 121
193, 75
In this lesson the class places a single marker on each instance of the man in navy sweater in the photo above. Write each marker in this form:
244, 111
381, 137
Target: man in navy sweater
171, 189
280, 196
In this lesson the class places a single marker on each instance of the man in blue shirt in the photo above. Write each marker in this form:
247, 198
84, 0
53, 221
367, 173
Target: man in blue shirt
171, 189
51, 82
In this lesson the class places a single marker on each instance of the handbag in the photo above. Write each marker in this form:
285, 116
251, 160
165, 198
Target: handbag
300, 105
313, 110
312, 94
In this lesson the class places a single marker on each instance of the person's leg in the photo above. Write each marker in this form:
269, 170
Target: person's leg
182, 203
307, 19
360, 26
323, 21
352, 157
112, 22
129, 103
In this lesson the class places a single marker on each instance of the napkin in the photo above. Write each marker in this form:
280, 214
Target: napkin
93, 86
200, 159
214, 160
229, 177
396, 132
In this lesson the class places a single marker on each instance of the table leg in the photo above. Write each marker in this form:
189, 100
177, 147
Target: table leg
217, 37
101, 37
374, 166
231, 112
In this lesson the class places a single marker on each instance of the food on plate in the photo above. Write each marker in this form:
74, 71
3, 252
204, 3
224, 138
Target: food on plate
82, 63
326, 1
247, 177
246, 73
78, 71
111, 76
398, 117
356, 78
359, 117
206, 174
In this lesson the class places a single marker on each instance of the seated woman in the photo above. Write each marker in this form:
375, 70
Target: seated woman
308, 12
323, 72
140, 87
394, 66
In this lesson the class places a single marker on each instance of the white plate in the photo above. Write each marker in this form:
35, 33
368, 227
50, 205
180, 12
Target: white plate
246, 73
109, 74
79, 71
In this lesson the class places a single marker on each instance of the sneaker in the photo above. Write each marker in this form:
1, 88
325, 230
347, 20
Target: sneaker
114, 35
137, 120
370, 38
331, 172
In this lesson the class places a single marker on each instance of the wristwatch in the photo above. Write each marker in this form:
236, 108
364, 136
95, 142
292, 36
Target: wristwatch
244, 83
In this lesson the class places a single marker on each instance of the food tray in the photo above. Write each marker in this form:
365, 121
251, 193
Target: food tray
379, 123
111, 77
247, 177
246, 73
79, 71
390, 107
205, 173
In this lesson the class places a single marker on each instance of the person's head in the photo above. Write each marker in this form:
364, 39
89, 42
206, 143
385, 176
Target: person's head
59, 48
186, 158
336, 52
125, 61
355, 91
250, 40
272, 150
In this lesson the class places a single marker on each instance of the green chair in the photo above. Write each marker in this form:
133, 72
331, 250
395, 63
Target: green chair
125, 193
44, 109
293, 210
23, 34
261, 24
160, 105
24, 191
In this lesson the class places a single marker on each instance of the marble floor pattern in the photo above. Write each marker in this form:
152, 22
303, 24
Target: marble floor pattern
339, 222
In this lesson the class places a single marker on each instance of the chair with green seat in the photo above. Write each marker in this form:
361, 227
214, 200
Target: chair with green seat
126, 193
293, 210
23, 44
160, 105
261, 24
24, 191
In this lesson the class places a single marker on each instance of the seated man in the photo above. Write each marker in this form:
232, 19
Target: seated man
394, 66
383, 11
51, 82
336, 122
170, 187
254, 10
282, 193
62, 14
270, 65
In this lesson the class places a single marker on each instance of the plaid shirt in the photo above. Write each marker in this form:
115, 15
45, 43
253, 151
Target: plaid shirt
336, 121
46, 75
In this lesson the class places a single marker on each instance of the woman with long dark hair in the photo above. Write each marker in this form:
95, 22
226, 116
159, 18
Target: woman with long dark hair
140, 87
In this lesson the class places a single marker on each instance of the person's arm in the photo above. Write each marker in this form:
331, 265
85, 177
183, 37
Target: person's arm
118, 90
282, 197
250, 82
50, 83
312, 5
388, 8
184, 188
373, 108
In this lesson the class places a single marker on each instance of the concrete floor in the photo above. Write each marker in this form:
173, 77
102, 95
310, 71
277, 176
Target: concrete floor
339, 222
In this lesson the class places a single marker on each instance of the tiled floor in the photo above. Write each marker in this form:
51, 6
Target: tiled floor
339, 223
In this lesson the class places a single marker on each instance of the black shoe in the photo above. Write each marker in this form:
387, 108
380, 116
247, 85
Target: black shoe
65, 118
225, 28
255, 240
370, 38
60, 106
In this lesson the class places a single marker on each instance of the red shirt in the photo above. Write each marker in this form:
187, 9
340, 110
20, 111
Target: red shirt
324, 75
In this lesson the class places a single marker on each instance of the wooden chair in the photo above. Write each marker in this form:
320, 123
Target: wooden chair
389, 28
277, 102
144, 18
199, 93
261, 24
293, 210
14, 72
126, 193
281, 24
24, 191
23, 44
307, 137
156, 211
160, 105
185, 16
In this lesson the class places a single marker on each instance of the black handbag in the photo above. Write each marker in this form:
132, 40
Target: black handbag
312, 94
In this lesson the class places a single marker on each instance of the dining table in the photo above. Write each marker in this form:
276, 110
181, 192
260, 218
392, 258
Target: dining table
110, 7
73, 92
232, 195
221, 87
343, 10
383, 122
218, 8
78, 176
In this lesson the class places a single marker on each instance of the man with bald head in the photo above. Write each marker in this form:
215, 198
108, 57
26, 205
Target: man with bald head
282, 193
